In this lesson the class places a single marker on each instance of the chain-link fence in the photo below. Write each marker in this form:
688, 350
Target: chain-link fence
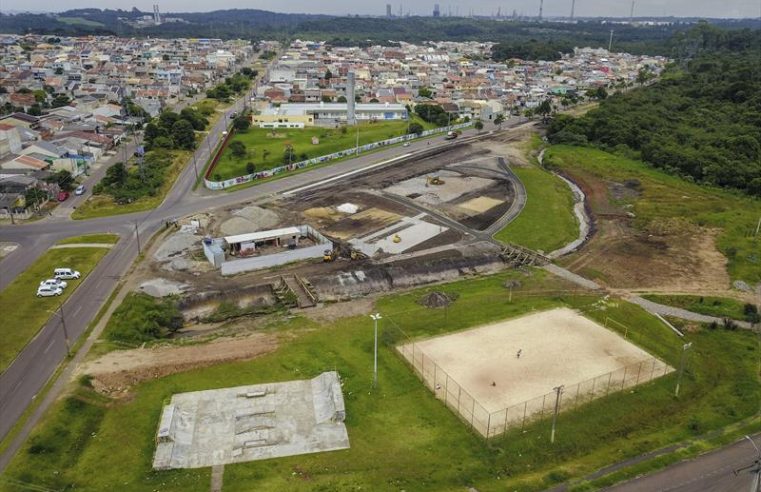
491, 424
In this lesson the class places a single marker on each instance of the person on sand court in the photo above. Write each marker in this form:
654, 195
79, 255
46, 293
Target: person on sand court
518, 354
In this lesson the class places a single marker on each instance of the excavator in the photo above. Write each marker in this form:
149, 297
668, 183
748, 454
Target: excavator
434, 180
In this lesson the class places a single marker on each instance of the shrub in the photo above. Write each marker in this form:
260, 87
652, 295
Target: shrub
142, 318
250, 168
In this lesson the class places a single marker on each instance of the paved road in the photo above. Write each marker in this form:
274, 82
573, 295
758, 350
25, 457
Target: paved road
712, 472
20, 383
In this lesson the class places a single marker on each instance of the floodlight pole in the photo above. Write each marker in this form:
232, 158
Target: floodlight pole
754, 468
685, 347
137, 235
195, 165
558, 391
375, 318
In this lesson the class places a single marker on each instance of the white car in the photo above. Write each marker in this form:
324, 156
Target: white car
48, 291
80, 190
54, 282
65, 273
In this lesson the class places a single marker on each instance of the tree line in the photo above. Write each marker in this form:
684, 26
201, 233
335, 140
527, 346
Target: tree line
701, 121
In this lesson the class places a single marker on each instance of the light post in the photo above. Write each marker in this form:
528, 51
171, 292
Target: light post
195, 165
558, 391
375, 318
63, 325
137, 235
754, 468
685, 348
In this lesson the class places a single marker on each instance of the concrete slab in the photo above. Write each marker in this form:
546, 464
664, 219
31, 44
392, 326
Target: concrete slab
455, 185
247, 423
410, 232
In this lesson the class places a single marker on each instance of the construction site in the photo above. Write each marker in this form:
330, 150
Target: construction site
398, 226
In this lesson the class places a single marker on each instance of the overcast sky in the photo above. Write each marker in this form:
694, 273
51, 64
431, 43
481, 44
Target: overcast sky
619, 8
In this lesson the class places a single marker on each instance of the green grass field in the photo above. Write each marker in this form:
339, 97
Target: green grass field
91, 238
401, 436
721, 307
29, 313
266, 151
547, 221
666, 197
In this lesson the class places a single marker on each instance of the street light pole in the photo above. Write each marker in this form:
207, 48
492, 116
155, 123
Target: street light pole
375, 318
137, 235
685, 347
558, 391
195, 165
65, 332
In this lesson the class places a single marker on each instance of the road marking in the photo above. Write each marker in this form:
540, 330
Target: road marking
79, 308
48, 347
344, 175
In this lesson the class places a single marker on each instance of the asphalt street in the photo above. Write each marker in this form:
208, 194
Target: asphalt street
712, 472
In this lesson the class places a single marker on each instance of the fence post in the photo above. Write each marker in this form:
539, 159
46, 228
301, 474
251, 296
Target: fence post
594, 383
488, 427
638, 372
543, 400
459, 395
610, 378
446, 389
523, 422
652, 372
578, 389
623, 381
472, 413
434, 378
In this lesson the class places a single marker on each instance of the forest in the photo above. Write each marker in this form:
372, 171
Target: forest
701, 121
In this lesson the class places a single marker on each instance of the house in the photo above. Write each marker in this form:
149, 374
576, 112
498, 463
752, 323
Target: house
10, 139
24, 163
21, 119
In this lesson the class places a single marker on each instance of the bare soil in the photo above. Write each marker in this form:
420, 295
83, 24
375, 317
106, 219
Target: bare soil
117, 372
670, 255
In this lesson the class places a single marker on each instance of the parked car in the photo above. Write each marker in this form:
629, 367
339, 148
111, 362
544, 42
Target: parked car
63, 196
80, 190
54, 282
65, 273
48, 291
233, 115
406, 144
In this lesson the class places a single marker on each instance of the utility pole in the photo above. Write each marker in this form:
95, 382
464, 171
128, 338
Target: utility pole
137, 235
610, 43
685, 348
558, 391
195, 165
357, 152
65, 333
375, 318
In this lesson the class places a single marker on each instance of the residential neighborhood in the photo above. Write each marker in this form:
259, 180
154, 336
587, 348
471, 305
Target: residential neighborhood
63, 101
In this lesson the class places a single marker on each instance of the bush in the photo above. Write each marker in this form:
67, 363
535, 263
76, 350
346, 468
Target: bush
142, 318
415, 129
250, 168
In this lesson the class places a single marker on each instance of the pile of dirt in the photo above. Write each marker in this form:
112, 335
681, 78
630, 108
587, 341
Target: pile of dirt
249, 219
436, 300
117, 372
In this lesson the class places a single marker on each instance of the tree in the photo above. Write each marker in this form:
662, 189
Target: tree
289, 155
116, 175
183, 135
499, 119
326, 99
478, 125
342, 99
328, 74
250, 168
238, 149
425, 92
545, 109
63, 179
59, 71
242, 123
60, 100
415, 128
34, 110
35, 196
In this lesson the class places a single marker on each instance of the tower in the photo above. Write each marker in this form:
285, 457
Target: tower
573, 7
351, 118
436, 10
541, 9
388, 10
631, 13
156, 15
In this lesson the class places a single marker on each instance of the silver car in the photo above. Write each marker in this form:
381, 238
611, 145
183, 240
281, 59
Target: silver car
48, 291
54, 282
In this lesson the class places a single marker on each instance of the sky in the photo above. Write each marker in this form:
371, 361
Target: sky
584, 8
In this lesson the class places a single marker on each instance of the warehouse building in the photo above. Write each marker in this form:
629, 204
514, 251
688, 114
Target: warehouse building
322, 114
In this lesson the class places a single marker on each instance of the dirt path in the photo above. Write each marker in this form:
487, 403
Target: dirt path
116, 372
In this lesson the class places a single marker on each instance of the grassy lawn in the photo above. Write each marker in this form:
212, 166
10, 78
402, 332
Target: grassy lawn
666, 197
547, 221
721, 307
401, 436
105, 206
30, 313
79, 21
91, 238
266, 147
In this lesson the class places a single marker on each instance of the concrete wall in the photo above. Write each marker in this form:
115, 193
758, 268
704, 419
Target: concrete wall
288, 256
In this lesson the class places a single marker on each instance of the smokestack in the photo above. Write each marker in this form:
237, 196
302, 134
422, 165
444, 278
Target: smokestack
351, 118
541, 8
573, 7
631, 14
